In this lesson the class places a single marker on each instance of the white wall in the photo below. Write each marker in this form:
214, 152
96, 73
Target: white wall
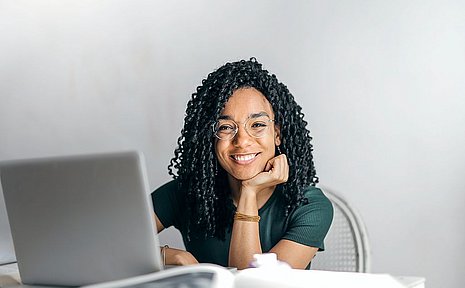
381, 82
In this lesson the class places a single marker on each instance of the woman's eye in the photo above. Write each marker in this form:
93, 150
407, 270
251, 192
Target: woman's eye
225, 128
258, 124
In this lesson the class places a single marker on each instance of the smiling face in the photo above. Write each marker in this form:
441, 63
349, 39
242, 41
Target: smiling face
244, 156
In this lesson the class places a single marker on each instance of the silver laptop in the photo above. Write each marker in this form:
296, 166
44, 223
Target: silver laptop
7, 253
78, 220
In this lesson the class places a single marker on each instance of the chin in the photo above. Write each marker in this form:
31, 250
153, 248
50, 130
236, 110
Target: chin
245, 176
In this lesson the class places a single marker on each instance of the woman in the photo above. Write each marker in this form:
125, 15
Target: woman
245, 175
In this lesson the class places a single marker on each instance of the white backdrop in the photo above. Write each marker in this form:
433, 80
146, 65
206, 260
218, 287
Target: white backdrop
381, 83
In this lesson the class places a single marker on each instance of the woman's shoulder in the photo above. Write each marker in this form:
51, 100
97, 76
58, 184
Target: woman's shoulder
315, 193
316, 201
169, 191
170, 186
169, 204
310, 221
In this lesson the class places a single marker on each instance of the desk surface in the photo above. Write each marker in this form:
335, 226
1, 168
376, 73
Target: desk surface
9, 277
411, 282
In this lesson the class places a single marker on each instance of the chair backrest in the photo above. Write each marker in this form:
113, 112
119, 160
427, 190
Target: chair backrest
346, 245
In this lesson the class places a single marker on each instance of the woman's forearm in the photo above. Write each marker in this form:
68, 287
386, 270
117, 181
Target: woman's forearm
245, 236
178, 257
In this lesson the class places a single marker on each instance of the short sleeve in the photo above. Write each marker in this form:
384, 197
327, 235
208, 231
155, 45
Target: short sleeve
167, 204
309, 223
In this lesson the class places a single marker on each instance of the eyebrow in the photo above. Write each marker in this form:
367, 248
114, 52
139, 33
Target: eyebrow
253, 115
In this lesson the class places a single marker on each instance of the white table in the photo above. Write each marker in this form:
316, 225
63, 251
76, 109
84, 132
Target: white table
9, 277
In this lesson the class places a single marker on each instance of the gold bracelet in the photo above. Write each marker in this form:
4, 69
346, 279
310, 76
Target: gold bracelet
163, 253
243, 217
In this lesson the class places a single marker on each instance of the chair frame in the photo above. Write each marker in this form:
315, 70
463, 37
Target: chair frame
358, 229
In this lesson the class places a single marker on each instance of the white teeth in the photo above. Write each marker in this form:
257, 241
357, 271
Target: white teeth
244, 157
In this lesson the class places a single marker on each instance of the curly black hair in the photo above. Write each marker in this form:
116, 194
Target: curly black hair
198, 172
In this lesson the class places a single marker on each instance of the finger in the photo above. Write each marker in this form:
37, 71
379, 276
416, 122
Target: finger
269, 165
282, 166
278, 169
285, 168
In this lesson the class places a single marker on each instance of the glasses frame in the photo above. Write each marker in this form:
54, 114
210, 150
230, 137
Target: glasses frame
237, 128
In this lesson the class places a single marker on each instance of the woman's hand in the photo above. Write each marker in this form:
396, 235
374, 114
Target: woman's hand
179, 257
245, 236
276, 172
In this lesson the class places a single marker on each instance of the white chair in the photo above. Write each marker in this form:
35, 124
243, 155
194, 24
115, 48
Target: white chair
346, 245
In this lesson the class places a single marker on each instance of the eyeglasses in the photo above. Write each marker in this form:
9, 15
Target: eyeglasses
257, 127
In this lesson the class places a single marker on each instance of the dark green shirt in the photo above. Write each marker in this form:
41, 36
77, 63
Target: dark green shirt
307, 224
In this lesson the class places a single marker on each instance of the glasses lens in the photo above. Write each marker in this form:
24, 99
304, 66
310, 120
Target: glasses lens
225, 129
258, 127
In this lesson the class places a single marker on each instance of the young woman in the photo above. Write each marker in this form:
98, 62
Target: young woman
244, 179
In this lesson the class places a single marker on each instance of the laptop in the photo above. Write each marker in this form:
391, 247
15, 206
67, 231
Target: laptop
78, 220
7, 253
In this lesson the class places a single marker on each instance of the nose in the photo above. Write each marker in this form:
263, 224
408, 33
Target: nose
242, 138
